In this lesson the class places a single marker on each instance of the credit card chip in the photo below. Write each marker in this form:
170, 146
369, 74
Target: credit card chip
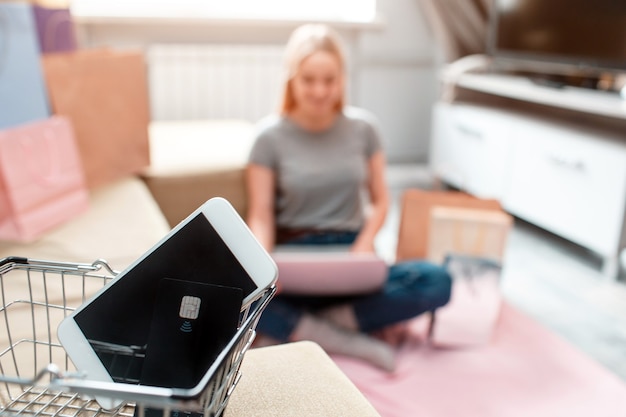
190, 307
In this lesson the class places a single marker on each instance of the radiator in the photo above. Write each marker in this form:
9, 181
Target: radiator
213, 81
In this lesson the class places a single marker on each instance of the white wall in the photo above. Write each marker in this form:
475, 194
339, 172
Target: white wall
397, 79
392, 65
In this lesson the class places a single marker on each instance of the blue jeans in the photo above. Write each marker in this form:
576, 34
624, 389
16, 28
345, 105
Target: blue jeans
412, 288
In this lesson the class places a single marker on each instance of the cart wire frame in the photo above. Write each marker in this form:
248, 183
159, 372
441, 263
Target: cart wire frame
38, 378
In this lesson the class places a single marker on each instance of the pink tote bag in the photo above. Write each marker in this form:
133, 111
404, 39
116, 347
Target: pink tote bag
42, 183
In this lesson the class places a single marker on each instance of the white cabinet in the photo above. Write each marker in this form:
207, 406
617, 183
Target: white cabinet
570, 182
471, 149
567, 180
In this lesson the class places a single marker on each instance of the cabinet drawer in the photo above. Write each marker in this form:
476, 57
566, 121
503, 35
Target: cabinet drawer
569, 182
471, 148
445, 160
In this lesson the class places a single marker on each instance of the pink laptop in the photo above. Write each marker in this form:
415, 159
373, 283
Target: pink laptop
330, 273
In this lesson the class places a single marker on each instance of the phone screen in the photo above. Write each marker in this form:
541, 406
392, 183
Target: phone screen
117, 322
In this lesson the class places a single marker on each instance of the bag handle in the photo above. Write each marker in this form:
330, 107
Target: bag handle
52, 27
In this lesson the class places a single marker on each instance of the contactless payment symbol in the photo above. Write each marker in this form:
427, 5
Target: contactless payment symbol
186, 327
189, 309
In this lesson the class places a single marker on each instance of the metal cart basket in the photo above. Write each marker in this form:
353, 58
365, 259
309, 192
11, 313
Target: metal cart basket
37, 377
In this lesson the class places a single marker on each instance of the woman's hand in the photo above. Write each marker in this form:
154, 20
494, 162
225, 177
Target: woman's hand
363, 246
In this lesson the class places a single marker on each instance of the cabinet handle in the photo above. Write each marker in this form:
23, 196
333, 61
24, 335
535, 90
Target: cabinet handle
468, 132
567, 163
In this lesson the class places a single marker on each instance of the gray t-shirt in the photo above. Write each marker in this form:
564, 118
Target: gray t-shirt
321, 177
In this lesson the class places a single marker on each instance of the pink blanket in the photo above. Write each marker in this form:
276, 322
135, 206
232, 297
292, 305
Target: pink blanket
525, 371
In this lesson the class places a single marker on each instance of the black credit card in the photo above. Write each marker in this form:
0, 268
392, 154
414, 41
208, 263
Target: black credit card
191, 324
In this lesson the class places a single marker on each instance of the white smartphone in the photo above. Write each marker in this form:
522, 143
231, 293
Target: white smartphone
213, 245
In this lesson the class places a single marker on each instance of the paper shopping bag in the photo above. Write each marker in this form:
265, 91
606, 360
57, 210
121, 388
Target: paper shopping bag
105, 95
471, 315
55, 29
42, 182
23, 95
476, 232
415, 217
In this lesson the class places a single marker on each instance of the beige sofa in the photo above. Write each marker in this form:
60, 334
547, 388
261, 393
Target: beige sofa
122, 222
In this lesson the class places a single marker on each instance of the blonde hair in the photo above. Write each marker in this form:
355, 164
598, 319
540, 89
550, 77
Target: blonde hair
304, 42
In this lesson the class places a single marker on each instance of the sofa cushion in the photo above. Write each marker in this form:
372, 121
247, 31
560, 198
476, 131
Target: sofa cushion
192, 161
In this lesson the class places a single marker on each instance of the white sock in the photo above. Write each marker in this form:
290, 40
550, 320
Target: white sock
335, 340
341, 315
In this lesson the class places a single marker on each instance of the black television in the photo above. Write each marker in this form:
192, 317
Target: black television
569, 37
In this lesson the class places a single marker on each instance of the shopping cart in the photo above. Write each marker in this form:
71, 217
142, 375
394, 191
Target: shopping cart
39, 379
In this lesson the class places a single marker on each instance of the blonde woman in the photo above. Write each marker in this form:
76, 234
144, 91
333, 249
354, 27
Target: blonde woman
308, 171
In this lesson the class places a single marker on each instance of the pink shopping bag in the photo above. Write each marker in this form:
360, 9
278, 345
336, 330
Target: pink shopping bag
42, 183
472, 315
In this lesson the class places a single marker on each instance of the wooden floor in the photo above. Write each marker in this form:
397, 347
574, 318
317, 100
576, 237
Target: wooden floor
552, 280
